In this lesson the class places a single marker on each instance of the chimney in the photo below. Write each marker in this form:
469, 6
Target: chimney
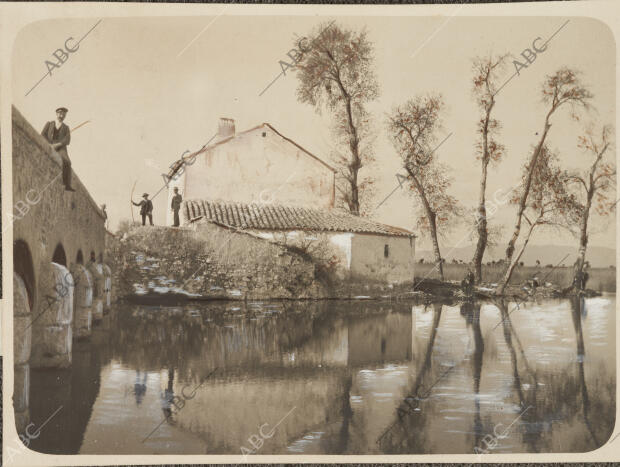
225, 128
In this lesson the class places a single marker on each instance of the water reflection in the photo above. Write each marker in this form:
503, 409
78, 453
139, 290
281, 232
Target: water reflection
338, 377
139, 387
578, 309
471, 312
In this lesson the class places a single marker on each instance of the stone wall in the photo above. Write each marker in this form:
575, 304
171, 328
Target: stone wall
206, 261
70, 219
209, 262
53, 231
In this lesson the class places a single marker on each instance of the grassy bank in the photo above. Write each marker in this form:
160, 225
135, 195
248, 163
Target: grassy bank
601, 279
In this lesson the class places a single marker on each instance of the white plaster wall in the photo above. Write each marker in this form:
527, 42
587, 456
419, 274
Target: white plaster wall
362, 255
368, 260
342, 241
339, 241
252, 168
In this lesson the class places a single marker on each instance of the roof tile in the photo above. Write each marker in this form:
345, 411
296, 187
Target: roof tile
280, 217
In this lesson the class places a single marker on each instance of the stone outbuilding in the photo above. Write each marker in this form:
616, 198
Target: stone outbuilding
361, 248
262, 182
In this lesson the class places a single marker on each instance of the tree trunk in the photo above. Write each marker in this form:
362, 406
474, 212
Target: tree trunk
482, 210
514, 262
481, 226
432, 222
583, 240
433, 227
522, 205
355, 163
354, 204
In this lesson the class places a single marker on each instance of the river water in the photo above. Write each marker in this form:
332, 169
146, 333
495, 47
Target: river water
336, 377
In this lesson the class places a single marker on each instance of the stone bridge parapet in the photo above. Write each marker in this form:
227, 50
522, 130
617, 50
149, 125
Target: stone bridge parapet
57, 234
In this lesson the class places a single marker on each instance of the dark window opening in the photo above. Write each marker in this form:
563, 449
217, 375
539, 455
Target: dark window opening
264, 134
59, 256
386, 251
80, 257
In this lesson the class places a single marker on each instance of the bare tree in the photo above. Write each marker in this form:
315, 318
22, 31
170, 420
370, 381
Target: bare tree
412, 128
550, 203
594, 186
486, 71
336, 72
559, 89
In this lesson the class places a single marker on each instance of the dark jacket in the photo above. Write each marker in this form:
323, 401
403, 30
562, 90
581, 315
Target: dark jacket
176, 202
63, 137
146, 207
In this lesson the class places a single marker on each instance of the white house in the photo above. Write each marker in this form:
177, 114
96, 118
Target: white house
266, 184
257, 165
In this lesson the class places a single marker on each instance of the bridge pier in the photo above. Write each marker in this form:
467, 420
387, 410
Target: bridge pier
96, 271
22, 342
83, 302
53, 328
107, 290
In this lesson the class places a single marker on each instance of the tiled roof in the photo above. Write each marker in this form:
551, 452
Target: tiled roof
273, 217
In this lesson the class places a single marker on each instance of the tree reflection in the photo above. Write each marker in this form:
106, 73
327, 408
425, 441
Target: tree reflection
471, 312
577, 311
529, 410
406, 434
167, 398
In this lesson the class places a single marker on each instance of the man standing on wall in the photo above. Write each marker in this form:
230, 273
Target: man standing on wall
176, 206
59, 136
146, 208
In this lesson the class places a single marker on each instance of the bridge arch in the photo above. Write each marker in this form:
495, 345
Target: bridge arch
59, 256
24, 267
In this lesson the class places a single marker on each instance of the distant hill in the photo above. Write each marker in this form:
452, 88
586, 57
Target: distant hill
599, 257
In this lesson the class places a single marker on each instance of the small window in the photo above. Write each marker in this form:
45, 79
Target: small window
386, 251
264, 134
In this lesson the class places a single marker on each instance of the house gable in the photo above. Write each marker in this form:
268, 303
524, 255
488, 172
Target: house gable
252, 132
258, 165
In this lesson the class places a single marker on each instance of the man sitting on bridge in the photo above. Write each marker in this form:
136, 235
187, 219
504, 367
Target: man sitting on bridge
59, 136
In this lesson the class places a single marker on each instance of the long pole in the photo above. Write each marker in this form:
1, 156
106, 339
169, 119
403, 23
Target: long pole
131, 201
81, 124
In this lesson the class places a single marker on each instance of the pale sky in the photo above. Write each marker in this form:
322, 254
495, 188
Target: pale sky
155, 87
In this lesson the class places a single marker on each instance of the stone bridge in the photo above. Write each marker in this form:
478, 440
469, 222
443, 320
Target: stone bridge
61, 285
